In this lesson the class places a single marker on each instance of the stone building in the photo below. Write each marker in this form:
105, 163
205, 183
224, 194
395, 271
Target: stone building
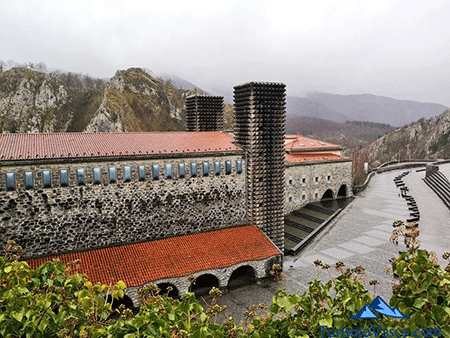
314, 170
160, 207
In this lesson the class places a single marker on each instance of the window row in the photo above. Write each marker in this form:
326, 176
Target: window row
28, 177
316, 179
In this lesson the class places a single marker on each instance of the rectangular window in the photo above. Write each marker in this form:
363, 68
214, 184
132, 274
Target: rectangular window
290, 182
205, 168
239, 167
316, 195
81, 177
317, 179
47, 178
141, 172
97, 175
64, 177
28, 179
329, 178
169, 171
127, 174
217, 168
290, 199
155, 171
10, 181
112, 174
228, 167
303, 180
193, 169
303, 197
181, 170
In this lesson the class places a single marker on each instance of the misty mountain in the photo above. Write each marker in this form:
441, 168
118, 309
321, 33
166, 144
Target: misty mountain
299, 106
351, 134
380, 109
183, 84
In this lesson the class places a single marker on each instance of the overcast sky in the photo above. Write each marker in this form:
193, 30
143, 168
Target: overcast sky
399, 49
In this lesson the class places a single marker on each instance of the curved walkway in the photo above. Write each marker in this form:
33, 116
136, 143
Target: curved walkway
360, 235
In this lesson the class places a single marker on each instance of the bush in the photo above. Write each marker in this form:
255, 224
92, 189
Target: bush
53, 302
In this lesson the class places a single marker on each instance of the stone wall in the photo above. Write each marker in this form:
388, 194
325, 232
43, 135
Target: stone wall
261, 269
307, 182
61, 219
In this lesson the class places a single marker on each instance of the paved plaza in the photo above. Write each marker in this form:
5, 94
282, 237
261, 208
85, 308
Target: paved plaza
360, 235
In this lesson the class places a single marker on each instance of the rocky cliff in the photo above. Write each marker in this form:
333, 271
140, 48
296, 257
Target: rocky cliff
133, 100
424, 139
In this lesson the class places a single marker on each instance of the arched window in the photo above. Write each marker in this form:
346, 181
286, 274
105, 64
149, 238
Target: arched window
342, 191
328, 195
203, 284
165, 291
244, 275
125, 300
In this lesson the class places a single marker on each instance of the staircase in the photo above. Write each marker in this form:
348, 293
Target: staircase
440, 185
300, 226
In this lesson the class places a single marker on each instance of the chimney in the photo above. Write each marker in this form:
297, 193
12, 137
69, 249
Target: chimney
204, 113
260, 114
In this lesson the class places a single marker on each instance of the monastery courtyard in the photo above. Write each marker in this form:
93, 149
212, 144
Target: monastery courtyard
360, 235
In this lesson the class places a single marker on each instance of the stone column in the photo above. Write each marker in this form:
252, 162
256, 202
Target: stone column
260, 126
204, 113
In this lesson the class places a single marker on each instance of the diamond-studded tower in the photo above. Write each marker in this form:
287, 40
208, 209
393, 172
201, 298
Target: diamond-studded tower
204, 113
260, 112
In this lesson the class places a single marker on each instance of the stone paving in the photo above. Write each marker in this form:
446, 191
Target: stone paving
360, 235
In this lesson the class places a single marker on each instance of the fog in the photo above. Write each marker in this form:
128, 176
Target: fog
398, 49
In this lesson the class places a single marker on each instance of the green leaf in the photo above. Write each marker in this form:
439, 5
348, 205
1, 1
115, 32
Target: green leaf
327, 321
17, 316
22, 289
8, 269
419, 302
43, 324
286, 303
121, 284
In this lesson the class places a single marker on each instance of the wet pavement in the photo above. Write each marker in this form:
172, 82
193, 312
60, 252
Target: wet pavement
359, 235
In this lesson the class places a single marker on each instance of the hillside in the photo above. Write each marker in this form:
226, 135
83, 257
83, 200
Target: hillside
424, 139
351, 134
374, 108
299, 106
34, 101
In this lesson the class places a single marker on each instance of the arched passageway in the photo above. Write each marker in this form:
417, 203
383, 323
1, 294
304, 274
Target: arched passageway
244, 275
203, 284
328, 195
165, 291
342, 191
125, 300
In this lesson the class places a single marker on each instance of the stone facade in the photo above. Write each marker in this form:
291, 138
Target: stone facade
261, 269
61, 219
308, 182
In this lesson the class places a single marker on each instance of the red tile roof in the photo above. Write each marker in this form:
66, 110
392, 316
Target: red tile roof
302, 143
69, 145
312, 157
137, 264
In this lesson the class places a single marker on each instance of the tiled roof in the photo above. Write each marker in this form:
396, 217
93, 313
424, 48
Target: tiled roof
312, 157
137, 264
300, 142
69, 145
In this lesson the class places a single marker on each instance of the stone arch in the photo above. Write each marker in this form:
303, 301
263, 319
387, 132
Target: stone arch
203, 284
328, 195
244, 275
125, 300
163, 287
343, 191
